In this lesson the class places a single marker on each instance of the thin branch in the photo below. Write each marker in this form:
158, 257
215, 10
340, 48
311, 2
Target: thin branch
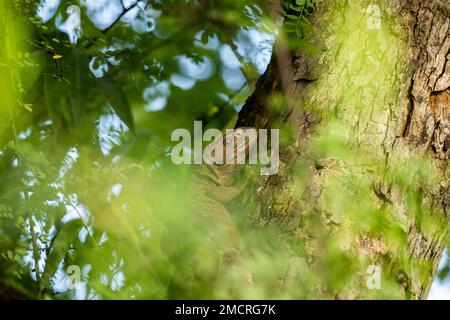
113, 24
124, 12
34, 243
36, 254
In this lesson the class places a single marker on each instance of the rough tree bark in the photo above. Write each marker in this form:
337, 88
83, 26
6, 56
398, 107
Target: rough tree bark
386, 82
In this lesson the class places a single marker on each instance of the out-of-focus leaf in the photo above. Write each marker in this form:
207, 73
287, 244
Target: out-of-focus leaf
118, 100
443, 273
61, 244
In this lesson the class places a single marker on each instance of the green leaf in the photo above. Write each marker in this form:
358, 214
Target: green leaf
292, 17
295, 8
118, 100
61, 245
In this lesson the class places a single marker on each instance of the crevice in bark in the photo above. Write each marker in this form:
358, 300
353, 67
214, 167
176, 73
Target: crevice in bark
410, 111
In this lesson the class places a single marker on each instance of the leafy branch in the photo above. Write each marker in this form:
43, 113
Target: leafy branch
295, 14
115, 22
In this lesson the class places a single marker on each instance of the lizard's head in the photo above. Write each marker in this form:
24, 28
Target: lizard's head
235, 144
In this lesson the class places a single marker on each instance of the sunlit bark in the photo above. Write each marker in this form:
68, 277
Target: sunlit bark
380, 83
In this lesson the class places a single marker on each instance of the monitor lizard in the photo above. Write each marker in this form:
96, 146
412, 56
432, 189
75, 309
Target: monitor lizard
211, 187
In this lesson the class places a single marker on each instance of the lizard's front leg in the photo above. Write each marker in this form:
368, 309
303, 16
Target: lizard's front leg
225, 193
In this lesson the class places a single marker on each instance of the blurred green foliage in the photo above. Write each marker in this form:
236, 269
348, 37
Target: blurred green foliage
85, 174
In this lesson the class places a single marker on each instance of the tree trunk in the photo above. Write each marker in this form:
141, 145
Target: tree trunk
365, 147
